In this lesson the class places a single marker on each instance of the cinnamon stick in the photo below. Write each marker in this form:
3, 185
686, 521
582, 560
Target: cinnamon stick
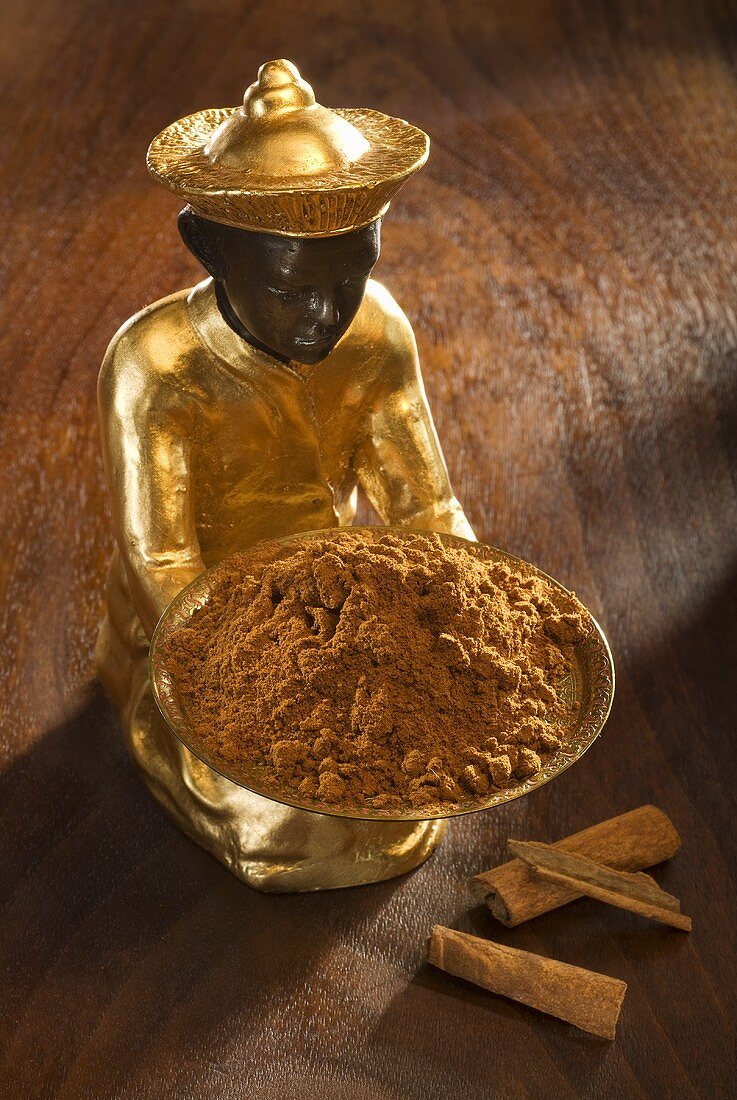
637, 893
585, 998
630, 842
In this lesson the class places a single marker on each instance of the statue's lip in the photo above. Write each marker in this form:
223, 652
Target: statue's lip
317, 341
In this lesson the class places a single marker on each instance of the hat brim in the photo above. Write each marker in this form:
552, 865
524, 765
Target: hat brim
321, 206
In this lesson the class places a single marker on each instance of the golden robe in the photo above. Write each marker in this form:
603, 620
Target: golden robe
211, 445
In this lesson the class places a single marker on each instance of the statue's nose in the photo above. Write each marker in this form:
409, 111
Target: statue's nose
327, 312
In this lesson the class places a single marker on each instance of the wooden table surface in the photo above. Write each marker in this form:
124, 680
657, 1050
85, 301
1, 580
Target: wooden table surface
569, 261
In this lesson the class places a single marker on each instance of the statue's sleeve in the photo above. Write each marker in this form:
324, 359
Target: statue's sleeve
398, 459
146, 448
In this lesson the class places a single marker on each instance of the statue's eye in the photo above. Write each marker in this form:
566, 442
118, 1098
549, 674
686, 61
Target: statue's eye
285, 294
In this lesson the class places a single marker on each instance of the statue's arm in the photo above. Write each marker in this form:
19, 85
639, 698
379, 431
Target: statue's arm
398, 460
146, 450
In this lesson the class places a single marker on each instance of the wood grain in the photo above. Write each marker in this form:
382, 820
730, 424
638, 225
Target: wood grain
568, 259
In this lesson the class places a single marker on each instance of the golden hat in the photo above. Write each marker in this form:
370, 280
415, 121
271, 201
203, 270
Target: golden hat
283, 164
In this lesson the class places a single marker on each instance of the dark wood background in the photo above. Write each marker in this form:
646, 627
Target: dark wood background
569, 261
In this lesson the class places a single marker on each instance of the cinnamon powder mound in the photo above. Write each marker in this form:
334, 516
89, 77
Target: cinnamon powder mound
378, 670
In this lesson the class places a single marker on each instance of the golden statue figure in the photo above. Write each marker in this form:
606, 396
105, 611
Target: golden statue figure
251, 406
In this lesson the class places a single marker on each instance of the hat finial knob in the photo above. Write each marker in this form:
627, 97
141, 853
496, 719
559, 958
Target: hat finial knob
279, 88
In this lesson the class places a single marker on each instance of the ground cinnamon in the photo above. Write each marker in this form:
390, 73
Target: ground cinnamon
396, 672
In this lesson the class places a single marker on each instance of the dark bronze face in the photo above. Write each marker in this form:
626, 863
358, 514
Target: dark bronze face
293, 297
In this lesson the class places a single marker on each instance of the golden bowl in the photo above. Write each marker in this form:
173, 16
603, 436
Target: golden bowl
589, 689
